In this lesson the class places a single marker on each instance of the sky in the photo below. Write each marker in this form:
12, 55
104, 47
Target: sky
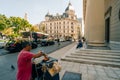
37, 9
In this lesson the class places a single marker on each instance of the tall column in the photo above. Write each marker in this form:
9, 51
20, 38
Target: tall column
95, 23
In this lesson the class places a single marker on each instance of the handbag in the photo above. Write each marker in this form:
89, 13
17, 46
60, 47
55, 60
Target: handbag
56, 68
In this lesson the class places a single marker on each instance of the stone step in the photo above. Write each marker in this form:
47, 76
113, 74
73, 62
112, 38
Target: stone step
96, 55
94, 62
95, 58
96, 50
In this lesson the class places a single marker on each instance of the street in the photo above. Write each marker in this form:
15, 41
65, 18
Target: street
46, 49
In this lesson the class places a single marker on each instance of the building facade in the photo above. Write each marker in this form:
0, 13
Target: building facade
102, 22
63, 26
112, 23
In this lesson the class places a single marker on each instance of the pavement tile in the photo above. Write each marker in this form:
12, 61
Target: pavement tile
116, 71
76, 67
92, 76
91, 69
110, 73
83, 68
91, 73
84, 76
69, 66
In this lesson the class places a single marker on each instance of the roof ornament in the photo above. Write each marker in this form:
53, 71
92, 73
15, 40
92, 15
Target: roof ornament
47, 14
70, 3
69, 7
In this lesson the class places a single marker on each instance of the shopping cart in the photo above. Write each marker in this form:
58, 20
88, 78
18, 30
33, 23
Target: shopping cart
45, 70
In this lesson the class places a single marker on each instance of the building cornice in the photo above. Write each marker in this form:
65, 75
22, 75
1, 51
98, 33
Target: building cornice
61, 20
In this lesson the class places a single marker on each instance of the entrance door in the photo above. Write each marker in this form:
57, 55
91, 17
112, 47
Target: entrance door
107, 30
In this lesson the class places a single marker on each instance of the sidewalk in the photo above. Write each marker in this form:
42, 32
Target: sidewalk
88, 71
63, 51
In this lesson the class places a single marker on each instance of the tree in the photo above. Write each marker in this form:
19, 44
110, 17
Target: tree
25, 25
19, 24
14, 24
8, 31
4, 22
42, 28
34, 29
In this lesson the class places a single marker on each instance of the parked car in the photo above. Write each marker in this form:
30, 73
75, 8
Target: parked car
34, 45
13, 46
45, 42
62, 39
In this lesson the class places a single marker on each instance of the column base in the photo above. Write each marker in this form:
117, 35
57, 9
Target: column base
96, 44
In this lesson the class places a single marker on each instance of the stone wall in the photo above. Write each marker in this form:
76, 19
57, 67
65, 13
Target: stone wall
114, 45
114, 23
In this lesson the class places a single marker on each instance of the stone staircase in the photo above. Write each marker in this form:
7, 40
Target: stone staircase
94, 56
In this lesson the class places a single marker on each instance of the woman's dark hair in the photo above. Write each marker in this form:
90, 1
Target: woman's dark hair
25, 43
83, 39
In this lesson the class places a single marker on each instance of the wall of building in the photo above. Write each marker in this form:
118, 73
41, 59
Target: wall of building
114, 22
63, 28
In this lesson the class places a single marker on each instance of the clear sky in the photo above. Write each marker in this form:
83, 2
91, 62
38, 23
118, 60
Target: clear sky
37, 9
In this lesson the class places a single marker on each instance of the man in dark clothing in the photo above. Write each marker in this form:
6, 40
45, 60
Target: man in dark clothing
58, 41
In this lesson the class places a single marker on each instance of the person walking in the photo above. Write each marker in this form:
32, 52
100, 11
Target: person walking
58, 41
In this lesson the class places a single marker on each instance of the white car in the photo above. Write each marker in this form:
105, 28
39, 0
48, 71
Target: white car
62, 39
2, 43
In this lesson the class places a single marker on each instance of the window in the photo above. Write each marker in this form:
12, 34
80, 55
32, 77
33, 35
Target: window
54, 24
71, 23
67, 22
50, 27
64, 22
72, 17
72, 31
63, 31
71, 27
60, 27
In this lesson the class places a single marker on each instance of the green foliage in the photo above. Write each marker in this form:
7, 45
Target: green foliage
3, 22
16, 23
42, 27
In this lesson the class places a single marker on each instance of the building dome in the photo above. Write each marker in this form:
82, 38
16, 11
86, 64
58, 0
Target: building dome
69, 7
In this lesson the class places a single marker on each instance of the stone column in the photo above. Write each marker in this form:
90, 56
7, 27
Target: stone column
95, 23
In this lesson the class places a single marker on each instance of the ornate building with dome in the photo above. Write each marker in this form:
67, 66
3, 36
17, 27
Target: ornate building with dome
63, 26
